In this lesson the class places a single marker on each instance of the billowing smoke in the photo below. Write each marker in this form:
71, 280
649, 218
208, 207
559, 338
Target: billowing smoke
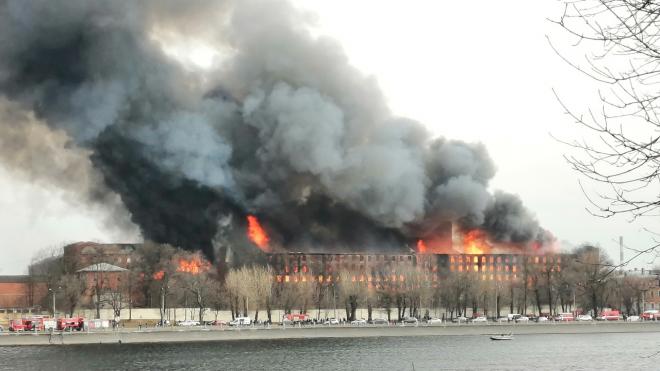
281, 127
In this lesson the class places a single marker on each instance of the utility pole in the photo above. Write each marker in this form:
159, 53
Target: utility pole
130, 290
53, 291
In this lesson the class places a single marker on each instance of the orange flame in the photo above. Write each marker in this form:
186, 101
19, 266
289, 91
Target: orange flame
193, 266
474, 242
159, 275
421, 247
257, 234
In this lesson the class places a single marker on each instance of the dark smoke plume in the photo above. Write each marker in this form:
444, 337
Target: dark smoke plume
281, 127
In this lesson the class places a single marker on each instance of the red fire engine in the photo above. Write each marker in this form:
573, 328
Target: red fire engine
76, 323
16, 325
296, 317
609, 315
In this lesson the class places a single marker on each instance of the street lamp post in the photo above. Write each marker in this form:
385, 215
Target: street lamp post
52, 292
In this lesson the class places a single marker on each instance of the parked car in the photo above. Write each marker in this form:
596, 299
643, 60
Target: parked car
359, 322
331, 321
163, 323
411, 320
378, 321
584, 317
434, 321
459, 319
522, 319
512, 316
188, 323
241, 321
219, 322
480, 319
633, 318
542, 319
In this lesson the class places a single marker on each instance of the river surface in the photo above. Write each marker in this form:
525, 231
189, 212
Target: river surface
608, 351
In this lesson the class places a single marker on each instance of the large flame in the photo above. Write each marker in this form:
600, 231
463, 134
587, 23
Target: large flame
421, 247
194, 266
159, 275
257, 234
474, 243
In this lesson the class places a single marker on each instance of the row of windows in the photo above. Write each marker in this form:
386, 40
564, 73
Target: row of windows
285, 278
341, 258
499, 259
384, 258
483, 268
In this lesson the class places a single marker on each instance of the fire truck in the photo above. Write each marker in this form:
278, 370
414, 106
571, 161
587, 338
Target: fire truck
609, 315
37, 323
16, 325
295, 318
70, 324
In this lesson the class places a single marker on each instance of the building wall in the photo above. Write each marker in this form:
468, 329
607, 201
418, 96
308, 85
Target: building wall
383, 269
82, 254
21, 292
652, 297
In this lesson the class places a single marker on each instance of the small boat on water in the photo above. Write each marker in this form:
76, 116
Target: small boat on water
502, 337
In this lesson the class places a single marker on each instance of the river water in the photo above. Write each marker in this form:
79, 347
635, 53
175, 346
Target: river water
609, 351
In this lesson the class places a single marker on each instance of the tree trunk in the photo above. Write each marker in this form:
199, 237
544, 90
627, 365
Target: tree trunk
512, 300
162, 305
537, 297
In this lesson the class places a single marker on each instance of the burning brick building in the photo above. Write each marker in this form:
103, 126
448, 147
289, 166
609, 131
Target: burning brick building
431, 261
380, 270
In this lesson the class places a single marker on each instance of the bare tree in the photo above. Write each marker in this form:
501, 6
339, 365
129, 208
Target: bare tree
195, 276
351, 291
593, 274
234, 286
157, 278
47, 265
257, 286
73, 287
385, 299
619, 41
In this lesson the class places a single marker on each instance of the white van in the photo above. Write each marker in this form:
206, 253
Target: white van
241, 321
